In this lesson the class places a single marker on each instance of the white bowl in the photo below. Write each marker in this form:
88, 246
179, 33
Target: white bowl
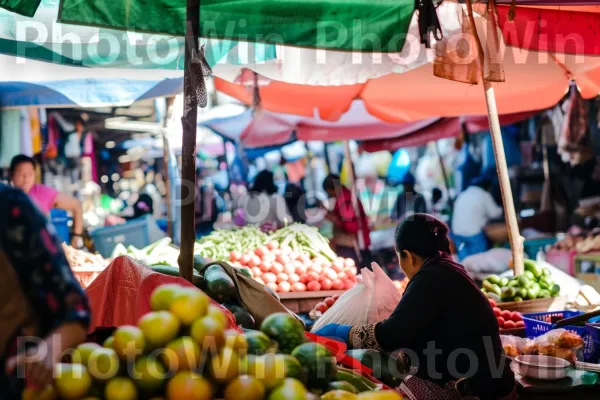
541, 367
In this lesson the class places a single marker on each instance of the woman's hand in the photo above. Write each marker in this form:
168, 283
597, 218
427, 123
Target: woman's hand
76, 242
341, 333
37, 364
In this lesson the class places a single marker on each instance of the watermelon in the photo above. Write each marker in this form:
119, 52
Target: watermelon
258, 342
319, 364
286, 330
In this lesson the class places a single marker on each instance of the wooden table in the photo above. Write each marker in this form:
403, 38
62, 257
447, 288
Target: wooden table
304, 302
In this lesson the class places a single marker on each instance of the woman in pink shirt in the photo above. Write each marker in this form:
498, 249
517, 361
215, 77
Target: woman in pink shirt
22, 175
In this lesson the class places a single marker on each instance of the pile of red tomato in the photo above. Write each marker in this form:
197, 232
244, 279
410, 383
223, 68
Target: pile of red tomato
285, 270
507, 319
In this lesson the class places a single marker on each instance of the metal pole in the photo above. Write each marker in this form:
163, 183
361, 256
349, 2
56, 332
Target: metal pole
516, 241
166, 149
189, 121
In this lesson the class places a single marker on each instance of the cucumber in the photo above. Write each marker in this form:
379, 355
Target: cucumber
532, 266
219, 285
165, 269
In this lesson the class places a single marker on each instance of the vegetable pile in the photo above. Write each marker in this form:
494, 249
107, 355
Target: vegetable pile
507, 319
534, 283
182, 350
161, 252
281, 268
220, 243
80, 258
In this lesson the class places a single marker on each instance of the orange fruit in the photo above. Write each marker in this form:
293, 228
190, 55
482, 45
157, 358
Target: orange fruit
188, 385
182, 354
103, 364
120, 388
71, 381
208, 333
81, 354
162, 297
245, 388
217, 313
189, 304
159, 328
149, 374
44, 394
128, 342
108, 343
236, 341
225, 365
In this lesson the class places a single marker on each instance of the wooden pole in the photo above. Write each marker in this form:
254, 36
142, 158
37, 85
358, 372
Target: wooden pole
189, 121
166, 148
516, 242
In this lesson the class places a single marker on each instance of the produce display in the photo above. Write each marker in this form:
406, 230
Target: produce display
534, 283
281, 268
582, 244
81, 258
322, 307
161, 252
219, 244
506, 319
182, 350
304, 239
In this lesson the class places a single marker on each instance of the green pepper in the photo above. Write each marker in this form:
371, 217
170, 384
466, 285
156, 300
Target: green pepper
507, 293
525, 282
518, 298
544, 294
495, 279
555, 290
523, 293
514, 283
503, 282
546, 272
532, 266
530, 275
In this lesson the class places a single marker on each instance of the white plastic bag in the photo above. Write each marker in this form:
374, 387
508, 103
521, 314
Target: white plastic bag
372, 300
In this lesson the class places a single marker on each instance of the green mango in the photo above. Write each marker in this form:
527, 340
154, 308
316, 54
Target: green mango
503, 282
523, 293
508, 293
544, 294
495, 279
517, 299
491, 288
514, 283
532, 266
530, 275
525, 282
546, 272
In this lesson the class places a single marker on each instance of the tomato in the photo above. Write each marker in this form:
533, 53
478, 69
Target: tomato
520, 324
316, 268
509, 325
312, 276
329, 274
235, 256
304, 278
313, 286
498, 312
273, 245
276, 252
348, 284
342, 275
282, 259
349, 263
493, 303
246, 258
516, 316
329, 301
304, 259
501, 322
294, 255
338, 285
322, 307
265, 266
261, 251
298, 287
277, 268
285, 249
282, 277
284, 287
269, 257
351, 271
254, 261
259, 280
256, 271
272, 286
336, 297
338, 265
289, 269
326, 284
507, 315
269, 277
293, 278
301, 270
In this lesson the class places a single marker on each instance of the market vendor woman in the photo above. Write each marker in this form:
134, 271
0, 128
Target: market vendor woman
443, 323
22, 175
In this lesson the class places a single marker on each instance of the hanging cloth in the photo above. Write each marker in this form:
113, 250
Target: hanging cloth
575, 142
26, 145
36, 131
10, 135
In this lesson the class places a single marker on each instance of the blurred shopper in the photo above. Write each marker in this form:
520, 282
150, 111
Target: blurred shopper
207, 212
295, 198
409, 201
264, 206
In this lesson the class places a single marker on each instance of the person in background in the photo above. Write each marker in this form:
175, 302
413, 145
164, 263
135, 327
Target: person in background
295, 198
264, 206
473, 210
347, 225
39, 296
452, 355
207, 212
22, 175
409, 201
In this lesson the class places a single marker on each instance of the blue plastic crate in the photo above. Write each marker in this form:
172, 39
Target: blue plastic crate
138, 233
60, 221
531, 247
539, 323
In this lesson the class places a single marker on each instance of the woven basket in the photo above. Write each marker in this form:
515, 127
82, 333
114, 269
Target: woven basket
535, 306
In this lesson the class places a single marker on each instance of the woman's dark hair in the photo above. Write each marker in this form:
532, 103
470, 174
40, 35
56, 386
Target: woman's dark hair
264, 183
436, 195
18, 160
331, 182
293, 196
144, 205
422, 234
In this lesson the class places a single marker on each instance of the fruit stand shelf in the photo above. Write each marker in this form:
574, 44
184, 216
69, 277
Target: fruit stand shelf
304, 302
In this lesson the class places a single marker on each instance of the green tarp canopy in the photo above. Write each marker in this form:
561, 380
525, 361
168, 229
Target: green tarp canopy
42, 38
368, 26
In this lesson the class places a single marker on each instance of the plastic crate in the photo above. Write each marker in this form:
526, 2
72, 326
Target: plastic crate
60, 221
539, 323
531, 247
138, 233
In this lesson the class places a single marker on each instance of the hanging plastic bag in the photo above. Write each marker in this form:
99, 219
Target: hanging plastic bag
372, 300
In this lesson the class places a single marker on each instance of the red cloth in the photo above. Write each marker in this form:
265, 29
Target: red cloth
346, 215
120, 295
